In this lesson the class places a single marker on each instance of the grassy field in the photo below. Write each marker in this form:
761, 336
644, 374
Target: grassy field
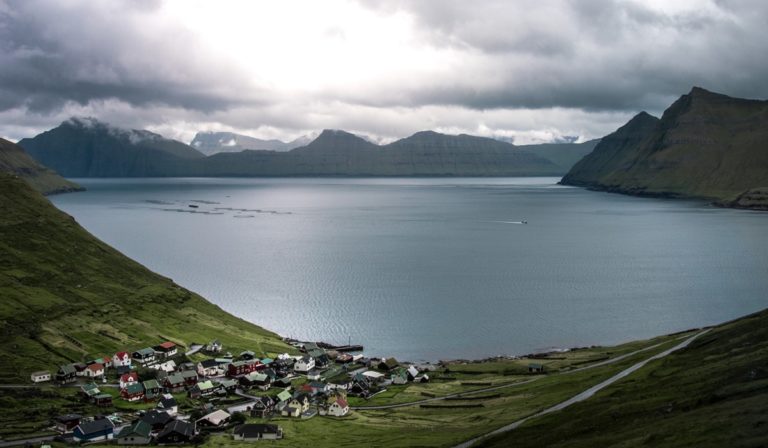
712, 394
66, 296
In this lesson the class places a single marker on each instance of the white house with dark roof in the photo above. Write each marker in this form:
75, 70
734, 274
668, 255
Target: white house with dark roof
304, 364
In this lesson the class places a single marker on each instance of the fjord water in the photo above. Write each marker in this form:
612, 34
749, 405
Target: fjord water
427, 269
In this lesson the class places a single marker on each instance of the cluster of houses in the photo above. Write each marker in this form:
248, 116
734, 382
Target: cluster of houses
316, 382
162, 426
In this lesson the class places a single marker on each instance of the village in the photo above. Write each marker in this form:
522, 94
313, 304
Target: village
181, 401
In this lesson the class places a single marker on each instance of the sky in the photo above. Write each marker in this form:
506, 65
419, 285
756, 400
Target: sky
527, 70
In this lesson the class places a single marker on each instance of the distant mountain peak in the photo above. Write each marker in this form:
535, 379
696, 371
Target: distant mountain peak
83, 122
135, 136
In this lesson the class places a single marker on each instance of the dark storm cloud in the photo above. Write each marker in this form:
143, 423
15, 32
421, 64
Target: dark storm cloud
524, 67
53, 53
592, 54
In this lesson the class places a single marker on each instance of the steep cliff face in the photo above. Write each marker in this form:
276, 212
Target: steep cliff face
615, 152
705, 145
13, 160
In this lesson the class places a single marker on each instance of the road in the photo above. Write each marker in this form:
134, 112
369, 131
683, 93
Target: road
503, 386
585, 394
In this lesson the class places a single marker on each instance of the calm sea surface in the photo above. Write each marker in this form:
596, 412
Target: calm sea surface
427, 269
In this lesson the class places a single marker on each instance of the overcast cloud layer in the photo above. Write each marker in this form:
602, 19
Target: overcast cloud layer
531, 70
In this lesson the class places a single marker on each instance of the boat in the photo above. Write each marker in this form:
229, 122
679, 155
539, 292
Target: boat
193, 206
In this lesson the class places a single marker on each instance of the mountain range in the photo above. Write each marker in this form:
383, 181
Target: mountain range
89, 148
706, 145
210, 143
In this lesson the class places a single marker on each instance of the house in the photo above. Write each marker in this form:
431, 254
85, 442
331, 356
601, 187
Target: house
67, 422
157, 420
175, 433
203, 389
373, 377
89, 390
65, 374
138, 433
314, 375
102, 400
399, 376
144, 355
80, 368
39, 377
388, 364
300, 401
151, 390
243, 367
247, 355
318, 387
339, 385
283, 382
94, 431
263, 407
122, 370
105, 361
255, 379
166, 349
421, 379
320, 356
304, 364
361, 385
344, 358
187, 366
210, 367
215, 419
128, 378
168, 366
190, 377
284, 396
169, 405
214, 347
252, 431
174, 383
412, 372
227, 385
94, 370
121, 359
535, 368
132, 392
338, 408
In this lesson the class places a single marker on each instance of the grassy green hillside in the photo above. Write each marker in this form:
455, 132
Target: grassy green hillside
705, 145
14, 160
712, 394
67, 296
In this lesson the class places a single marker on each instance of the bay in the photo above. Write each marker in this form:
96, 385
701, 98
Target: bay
427, 269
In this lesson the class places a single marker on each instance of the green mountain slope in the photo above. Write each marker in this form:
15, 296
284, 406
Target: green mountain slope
714, 393
705, 145
67, 296
14, 160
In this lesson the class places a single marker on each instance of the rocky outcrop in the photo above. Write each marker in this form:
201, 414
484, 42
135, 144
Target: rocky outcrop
753, 199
